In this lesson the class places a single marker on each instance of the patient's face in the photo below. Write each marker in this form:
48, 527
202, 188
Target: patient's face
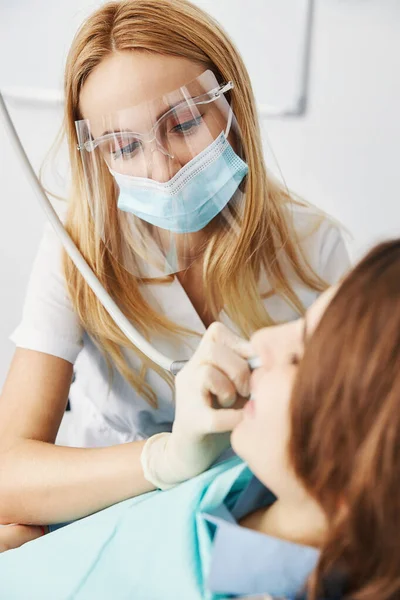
261, 438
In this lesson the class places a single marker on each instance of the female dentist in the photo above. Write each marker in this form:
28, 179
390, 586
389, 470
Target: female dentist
172, 207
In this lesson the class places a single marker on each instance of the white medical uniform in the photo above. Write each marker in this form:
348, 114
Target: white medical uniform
106, 410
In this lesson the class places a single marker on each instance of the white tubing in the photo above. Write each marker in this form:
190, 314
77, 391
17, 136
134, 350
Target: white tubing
111, 307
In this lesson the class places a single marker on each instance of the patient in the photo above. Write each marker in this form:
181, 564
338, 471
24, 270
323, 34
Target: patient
322, 435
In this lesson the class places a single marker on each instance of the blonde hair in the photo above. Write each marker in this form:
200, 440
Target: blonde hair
178, 28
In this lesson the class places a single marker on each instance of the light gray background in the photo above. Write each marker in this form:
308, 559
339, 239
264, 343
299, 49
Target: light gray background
343, 155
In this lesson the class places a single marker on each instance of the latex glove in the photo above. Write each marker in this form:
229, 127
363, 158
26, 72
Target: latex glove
206, 390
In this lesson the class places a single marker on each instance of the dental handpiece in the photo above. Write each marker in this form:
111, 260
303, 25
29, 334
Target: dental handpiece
254, 363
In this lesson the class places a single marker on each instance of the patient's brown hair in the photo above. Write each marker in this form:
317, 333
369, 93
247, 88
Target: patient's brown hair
345, 420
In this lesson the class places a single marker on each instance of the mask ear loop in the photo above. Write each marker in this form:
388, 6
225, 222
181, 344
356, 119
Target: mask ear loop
229, 124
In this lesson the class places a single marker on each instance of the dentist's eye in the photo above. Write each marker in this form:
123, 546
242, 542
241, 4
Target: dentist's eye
294, 359
126, 151
187, 126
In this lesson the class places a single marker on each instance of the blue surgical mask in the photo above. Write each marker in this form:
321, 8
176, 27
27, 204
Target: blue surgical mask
193, 197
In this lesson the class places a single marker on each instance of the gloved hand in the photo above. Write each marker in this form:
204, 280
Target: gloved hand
216, 374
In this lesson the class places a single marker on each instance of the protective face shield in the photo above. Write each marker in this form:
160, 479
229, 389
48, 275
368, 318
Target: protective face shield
161, 177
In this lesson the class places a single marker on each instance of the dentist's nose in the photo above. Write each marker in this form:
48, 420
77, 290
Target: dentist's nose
163, 167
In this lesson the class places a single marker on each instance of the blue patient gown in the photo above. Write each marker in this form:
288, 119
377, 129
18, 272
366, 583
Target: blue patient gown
180, 544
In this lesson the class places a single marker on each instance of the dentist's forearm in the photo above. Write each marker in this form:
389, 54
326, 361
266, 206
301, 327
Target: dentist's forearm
42, 483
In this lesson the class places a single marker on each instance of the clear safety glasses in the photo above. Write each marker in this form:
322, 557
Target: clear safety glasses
181, 133
160, 175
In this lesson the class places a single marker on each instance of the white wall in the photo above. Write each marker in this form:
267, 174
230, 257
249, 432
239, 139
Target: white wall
342, 156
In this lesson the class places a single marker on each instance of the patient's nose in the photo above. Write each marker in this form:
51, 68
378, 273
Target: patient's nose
262, 344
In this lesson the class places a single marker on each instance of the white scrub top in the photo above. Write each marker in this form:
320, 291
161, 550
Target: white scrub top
106, 410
